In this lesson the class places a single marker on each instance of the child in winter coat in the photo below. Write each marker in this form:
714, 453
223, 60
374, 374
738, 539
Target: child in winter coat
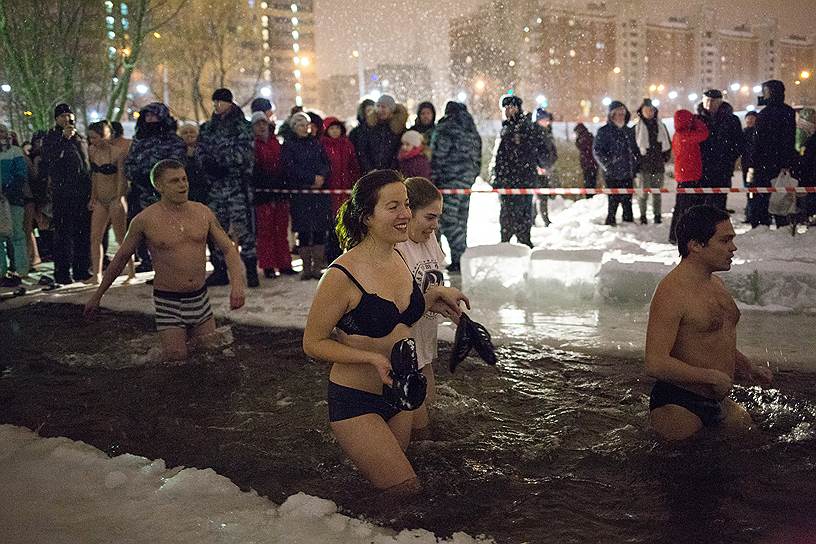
412, 161
690, 131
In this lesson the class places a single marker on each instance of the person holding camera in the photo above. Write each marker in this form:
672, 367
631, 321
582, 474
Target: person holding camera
65, 163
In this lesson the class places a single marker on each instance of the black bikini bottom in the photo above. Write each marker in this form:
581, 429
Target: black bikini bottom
347, 402
709, 411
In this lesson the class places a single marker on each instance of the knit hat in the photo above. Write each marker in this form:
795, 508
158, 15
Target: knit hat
713, 93
388, 101
299, 116
61, 109
261, 104
259, 116
510, 100
541, 113
224, 95
413, 138
615, 104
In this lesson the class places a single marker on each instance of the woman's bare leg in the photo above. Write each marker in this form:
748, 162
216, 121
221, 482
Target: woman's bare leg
118, 219
31, 241
374, 449
99, 222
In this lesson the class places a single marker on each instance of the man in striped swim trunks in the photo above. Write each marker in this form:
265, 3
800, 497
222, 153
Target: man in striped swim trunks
176, 231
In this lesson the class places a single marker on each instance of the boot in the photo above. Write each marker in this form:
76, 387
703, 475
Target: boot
319, 261
218, 277
251, 265
305, 253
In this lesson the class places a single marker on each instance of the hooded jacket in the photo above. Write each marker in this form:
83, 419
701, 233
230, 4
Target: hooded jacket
426, 130
774, 146
583, 141
152, 143
689, 132
615, 148
268, 170
653, 142
226, 147
517, 151
13, 175
378, 144
302, 159
456, 149
342, 162
362, 125
723, 147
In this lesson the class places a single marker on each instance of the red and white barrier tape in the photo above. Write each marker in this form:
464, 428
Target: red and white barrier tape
573, 191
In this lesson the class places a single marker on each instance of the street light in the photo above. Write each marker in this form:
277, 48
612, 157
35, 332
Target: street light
266, 92
672, 95
5, 87
141, 88
479, 85
692, 97
805, 74
462, 96
606, 101
757, 88
735, 87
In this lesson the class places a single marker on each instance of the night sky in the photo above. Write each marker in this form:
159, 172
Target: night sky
415, 30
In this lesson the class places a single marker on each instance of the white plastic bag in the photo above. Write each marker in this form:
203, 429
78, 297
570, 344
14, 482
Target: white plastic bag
783, 203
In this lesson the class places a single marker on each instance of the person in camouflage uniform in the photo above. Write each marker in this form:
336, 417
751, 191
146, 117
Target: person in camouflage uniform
155, 140
226, 148
456, 160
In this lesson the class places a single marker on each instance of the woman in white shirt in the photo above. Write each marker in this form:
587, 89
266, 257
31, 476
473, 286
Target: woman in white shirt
424, 258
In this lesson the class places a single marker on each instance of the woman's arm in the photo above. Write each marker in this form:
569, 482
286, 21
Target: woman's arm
445, 301
330, 302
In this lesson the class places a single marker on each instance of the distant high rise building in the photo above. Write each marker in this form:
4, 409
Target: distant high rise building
339, 95
288, 48
409, 84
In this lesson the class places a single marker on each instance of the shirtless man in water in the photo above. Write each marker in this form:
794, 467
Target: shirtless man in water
691, 340
176, 232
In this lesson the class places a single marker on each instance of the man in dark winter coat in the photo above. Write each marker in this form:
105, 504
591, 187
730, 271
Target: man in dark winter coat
773, 149
514, 165
722, 148
654, 146
364, 111
425, 122
584, 141
748, 135
548, 155
155, 140
226, 146
379, 145
617, 154
456, 160
65, 163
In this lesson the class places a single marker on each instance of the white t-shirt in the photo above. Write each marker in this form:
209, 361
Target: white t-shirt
425, 261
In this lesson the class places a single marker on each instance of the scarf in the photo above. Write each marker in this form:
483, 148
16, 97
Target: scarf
642, 137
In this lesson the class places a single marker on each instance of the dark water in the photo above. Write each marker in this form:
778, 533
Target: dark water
550, 447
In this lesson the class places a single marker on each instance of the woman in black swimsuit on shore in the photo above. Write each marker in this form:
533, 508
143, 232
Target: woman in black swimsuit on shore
366, 302
108, 190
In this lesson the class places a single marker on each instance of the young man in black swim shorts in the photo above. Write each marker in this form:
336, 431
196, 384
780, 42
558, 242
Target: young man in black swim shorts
691, 340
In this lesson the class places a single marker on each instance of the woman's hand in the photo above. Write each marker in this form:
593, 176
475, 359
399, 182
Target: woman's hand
445, 301
383, 367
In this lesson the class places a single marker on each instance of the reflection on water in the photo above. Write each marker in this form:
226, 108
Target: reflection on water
551, 446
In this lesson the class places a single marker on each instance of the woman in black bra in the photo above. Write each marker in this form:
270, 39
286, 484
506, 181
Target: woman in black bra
108, 190
366, 302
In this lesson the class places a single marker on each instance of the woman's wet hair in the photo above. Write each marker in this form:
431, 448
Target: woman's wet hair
699, 224
421, 192
351, 227
99, 127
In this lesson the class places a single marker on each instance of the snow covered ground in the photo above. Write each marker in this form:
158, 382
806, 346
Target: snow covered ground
585, 287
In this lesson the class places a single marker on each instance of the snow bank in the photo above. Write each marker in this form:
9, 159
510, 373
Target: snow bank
57, 490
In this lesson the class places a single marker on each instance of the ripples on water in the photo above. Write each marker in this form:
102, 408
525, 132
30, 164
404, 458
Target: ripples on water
551, 446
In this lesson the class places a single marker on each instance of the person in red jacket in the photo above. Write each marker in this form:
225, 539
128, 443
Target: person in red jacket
689, 131
344, 172
413, 163
271, 210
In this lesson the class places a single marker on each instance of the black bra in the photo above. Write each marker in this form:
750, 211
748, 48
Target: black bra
376, 317
107, 169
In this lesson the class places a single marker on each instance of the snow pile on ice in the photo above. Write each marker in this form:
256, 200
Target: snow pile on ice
580, 258
58, 490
